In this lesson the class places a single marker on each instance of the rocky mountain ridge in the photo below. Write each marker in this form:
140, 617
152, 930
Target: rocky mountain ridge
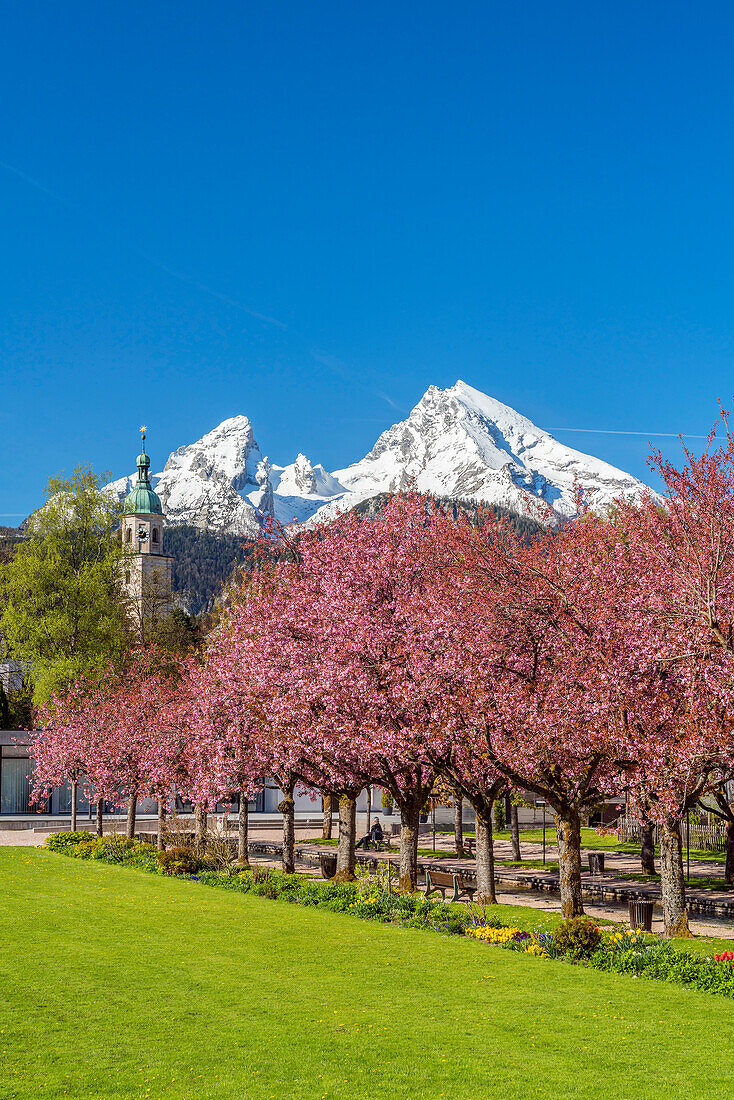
457, 443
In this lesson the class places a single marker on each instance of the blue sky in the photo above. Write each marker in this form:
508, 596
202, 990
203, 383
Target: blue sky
309, 213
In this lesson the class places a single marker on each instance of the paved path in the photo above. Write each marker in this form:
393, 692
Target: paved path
711, 913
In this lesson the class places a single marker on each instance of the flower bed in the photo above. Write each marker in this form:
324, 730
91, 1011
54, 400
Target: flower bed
578, 941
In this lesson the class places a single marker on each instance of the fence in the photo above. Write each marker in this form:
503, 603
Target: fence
704, 838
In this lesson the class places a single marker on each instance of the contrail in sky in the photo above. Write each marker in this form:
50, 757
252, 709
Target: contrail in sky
616, 431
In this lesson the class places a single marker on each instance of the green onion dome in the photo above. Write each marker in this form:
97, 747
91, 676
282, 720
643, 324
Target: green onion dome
141, 498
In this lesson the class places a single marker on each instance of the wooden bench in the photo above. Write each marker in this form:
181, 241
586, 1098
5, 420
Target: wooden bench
380, 845
469, 845
441, 881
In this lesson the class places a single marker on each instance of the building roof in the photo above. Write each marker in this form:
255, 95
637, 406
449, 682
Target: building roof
141, 498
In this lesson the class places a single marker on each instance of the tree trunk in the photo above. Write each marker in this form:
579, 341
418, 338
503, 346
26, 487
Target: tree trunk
288, 809
647, 850
409, 820
132, 807
672, 881
486, 890
99, 817
515, 831
74, 785
328, 811
346, 856
729, 865
459, 825
161, 824
200, 829
369, 808
568, 831
243, 852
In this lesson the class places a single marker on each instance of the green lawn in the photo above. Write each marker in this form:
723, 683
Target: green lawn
120, 984
590, 839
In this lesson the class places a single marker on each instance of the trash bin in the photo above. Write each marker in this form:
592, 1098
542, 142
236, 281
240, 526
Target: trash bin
641, 914
596, 863
328, 864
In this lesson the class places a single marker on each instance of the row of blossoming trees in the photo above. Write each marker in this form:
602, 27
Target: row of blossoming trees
416, 647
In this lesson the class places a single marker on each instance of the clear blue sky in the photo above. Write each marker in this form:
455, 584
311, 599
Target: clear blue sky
309, 213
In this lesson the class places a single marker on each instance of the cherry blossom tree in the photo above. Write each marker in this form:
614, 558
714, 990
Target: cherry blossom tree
65, 742
377, 683
543, 676
682, 550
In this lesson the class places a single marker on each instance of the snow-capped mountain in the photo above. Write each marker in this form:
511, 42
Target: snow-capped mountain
456, 443
461, 443
223, 483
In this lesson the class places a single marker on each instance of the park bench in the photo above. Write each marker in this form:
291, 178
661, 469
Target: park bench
441, 881
469, 845
380, 845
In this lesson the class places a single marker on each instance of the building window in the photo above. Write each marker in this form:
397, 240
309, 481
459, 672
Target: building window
15, 780
127, 577
155, 534
129, 535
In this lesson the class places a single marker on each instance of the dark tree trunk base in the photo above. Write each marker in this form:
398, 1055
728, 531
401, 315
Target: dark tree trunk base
408, 868
132, 806
459, 825
672, 882
486, 890
243, 856
161, 825
568, 831
647, 853
328, 811
346, 856
515, 832
287, 808
729, 866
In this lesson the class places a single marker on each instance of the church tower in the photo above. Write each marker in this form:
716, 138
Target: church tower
147, 567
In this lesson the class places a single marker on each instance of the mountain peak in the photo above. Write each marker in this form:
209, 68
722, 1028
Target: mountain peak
456, 442
460, 442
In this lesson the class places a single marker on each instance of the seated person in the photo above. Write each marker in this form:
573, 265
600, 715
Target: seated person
374, 836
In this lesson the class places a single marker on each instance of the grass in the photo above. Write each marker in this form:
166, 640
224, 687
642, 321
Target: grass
702, 882
604, 842
118, 984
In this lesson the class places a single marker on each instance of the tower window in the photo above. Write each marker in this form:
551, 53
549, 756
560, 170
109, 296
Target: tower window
129, 535
155, 534
127, 578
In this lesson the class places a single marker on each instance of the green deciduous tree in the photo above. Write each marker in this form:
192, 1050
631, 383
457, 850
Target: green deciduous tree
61, 605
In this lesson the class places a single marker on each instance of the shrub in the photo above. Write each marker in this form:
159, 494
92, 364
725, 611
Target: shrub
499, 815
84, 849
577, 937
65, 842
144, 857
117, 848
178, 861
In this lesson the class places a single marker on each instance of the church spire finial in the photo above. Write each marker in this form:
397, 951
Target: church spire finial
143, 430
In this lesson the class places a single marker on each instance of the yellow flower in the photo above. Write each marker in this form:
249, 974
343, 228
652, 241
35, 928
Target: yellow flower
493, 935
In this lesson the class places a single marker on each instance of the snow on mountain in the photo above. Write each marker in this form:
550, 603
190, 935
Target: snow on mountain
223, 483
456, 443
219, 483
461, 443
301, 489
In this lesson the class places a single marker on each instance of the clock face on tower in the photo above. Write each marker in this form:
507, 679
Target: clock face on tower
142, 534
